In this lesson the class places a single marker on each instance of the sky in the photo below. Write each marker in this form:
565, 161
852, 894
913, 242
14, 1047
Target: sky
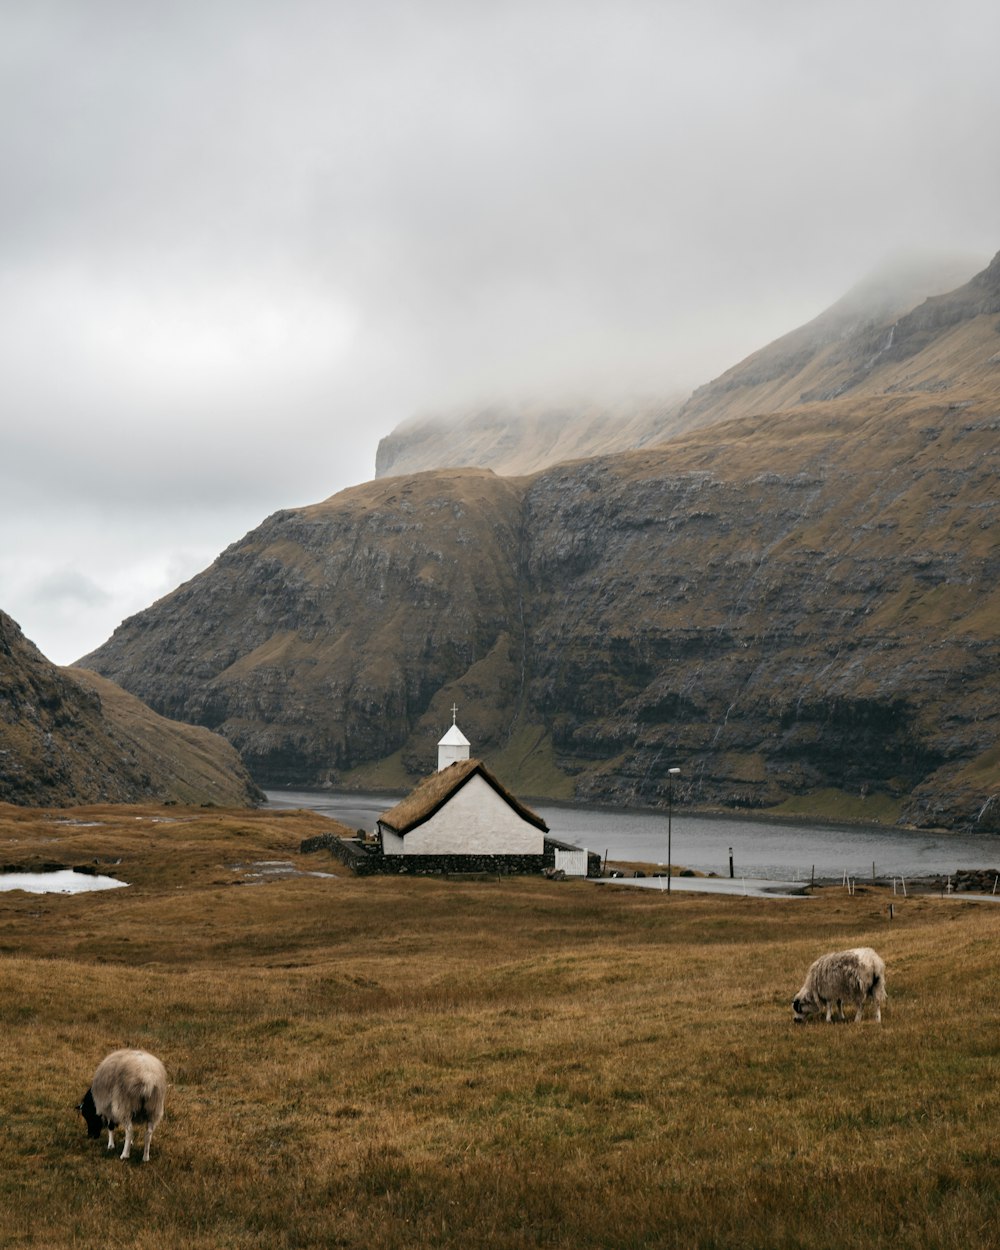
241, 240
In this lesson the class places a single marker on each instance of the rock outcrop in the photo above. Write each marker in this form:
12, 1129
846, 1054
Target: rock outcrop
68, 736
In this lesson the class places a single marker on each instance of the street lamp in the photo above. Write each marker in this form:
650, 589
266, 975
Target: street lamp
671, 774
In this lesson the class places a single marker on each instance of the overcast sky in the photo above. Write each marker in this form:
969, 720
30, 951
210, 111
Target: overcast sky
242, 239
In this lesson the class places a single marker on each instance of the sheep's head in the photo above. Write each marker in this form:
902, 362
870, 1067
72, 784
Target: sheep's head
88, 1110
804, 1004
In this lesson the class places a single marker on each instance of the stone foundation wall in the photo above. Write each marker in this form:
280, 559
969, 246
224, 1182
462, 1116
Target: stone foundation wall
503, 865
365, 859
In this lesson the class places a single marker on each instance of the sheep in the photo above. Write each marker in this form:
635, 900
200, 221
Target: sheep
842, 976
129, 1085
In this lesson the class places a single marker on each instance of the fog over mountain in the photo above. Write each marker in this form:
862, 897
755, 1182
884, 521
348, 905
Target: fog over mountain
242, 242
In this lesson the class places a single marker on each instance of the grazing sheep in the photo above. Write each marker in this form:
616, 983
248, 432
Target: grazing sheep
129, 1085
843, 976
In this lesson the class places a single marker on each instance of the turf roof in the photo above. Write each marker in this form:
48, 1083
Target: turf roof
431, 794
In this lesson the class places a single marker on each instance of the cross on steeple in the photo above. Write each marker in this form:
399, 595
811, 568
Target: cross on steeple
454, 712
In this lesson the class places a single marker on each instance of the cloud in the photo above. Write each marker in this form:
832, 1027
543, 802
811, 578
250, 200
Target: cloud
68, 589
242, 241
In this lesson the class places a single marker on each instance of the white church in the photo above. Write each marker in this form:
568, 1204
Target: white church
462, 819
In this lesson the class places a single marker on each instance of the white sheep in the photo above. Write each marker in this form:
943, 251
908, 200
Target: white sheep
843, 976
128, 1086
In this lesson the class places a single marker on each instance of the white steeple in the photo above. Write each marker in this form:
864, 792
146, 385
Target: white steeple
454, 745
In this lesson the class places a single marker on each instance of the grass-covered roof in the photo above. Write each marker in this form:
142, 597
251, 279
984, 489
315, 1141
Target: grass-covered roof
431, 794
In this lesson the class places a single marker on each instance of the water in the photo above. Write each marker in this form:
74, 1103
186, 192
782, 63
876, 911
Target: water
63, 881
785, 851
772, 851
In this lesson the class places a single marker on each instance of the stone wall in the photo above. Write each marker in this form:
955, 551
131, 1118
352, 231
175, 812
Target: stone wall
366, 859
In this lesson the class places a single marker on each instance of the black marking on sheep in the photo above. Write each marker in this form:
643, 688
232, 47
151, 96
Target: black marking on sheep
89, 1112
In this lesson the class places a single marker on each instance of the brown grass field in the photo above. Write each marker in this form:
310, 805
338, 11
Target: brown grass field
398, 1062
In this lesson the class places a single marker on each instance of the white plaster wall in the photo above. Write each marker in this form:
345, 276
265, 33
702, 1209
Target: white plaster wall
392, 843
476, 821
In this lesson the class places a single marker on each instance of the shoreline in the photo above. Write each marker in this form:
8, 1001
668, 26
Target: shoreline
752, 815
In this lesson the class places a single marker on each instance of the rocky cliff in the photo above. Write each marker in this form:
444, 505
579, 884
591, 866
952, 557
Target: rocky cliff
799, 609
322, 639
68, 736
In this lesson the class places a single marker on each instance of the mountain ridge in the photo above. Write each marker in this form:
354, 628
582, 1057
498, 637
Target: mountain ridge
845, 339
797, 605
70, 736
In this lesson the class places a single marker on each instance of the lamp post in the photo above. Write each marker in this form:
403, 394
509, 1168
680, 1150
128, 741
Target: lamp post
671, 774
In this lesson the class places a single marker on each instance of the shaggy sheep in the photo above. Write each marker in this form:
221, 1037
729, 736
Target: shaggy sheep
844, 976
129, 1085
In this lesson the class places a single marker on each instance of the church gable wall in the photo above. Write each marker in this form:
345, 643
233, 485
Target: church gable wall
474, 821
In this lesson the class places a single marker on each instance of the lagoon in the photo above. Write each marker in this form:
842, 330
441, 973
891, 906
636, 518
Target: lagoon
772, 850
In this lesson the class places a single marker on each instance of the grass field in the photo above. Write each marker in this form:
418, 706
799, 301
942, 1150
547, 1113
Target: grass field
397, 1062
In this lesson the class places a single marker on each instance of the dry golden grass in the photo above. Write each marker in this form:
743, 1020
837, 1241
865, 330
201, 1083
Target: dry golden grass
410, 1062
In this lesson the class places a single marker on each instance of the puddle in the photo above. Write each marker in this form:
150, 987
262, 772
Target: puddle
64, 881
274, 870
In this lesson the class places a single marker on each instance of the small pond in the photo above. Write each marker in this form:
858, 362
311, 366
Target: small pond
61, 881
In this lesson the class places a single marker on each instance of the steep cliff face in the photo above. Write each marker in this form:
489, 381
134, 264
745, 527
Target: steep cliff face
782, 608
797, 608
778, 620
68, 736
320, 641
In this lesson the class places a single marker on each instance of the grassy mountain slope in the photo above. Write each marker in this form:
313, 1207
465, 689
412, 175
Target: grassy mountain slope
323, 639
856, 346
780, 608
798, 608
69, 736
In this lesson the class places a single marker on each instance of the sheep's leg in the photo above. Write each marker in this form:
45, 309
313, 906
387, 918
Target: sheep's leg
878, 1012
840, 1008
128, 1140
860, 1012
148, 1138
111, 1138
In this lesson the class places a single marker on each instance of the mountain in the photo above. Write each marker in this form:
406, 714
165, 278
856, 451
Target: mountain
797, 607
68, 736
815, 361
847, 349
